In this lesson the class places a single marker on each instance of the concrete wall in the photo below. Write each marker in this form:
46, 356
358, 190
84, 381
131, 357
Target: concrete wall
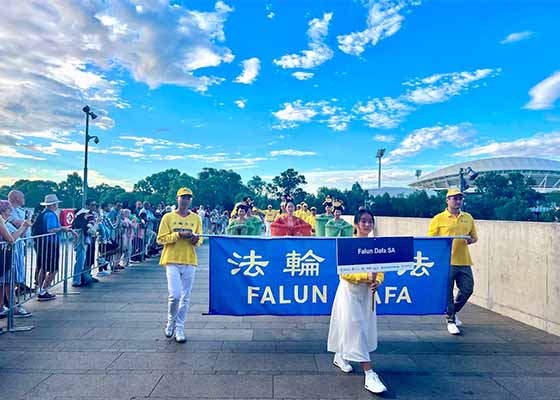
516, 271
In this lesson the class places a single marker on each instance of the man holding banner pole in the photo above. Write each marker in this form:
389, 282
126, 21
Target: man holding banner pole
454, 222
179, 233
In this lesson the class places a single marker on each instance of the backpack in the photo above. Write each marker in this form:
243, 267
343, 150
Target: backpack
39, 227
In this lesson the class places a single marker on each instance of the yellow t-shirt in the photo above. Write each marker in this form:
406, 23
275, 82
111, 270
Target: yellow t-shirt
175, 249
270, 215
446, 224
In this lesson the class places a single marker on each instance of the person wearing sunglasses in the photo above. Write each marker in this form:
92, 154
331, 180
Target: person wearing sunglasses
455, 222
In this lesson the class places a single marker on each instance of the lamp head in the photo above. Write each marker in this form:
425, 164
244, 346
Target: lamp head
472, 174
380, 153
92, 115
86, 109
95, 140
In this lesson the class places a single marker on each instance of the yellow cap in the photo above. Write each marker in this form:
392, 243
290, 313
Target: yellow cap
453, 192
184, 191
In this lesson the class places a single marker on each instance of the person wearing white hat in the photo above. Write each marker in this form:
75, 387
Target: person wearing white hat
48, 247
454, 222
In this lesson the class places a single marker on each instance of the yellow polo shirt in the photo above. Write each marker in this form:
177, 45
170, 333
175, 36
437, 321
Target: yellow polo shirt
446, 224
175, 249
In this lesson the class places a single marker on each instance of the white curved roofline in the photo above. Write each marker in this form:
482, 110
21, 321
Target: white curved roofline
496, 164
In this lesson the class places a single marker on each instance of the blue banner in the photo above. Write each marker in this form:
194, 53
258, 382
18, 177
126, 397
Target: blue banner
298, 276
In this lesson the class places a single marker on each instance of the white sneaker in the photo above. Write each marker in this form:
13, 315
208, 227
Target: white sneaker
452, 328
374, 384
458, 321
169, 329
180, 335
342, 363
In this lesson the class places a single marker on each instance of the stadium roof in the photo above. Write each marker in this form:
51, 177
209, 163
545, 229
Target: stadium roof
546, 173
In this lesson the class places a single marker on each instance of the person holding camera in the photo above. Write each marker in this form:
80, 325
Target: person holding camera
179, 234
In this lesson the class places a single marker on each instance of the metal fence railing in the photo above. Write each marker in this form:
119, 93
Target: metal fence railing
31, 266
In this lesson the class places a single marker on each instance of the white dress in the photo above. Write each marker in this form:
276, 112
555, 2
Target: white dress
353, 326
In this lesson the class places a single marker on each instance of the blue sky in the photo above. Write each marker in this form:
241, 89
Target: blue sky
259, 87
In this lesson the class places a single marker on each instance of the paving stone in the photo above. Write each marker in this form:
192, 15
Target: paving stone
165, 361
214, 386
529, 388
393, 363
113, 386
464, 363
15, 385
66, 360
320, 386
265, 362
442, 387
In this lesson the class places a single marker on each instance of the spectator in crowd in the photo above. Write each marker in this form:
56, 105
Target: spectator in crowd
179, 233
353, 326
127, 232
91, 206
48, 247
149, 218
138, 207
84, 226
16, 218
8, 235
454, 222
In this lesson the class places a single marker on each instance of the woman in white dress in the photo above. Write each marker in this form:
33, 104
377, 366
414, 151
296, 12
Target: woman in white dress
353, 326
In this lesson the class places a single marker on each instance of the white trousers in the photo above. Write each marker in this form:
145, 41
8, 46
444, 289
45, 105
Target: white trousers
180, 280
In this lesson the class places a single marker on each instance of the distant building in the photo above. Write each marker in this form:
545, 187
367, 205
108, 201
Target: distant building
545, 173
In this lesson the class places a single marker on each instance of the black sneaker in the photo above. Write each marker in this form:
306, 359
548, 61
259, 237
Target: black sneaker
46, 297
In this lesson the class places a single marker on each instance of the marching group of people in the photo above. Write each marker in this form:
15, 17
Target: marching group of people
353, 326
101, 233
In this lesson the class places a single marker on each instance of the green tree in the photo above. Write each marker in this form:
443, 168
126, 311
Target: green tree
35, 191
219, 187
71, 190
287, 182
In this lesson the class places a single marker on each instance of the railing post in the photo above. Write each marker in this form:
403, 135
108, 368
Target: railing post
65, 267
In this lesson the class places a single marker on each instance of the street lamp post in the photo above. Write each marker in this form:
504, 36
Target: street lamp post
89, 114
380, 154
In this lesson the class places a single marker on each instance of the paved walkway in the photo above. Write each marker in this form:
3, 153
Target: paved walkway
108, 343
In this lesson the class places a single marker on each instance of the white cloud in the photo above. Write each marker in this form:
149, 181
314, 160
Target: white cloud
545, 93
303, 76
384, 138
441, 87
141, 141
270, 15
384, 20
318, 51
296, 112
55, 57
383, 113
517, 37
241, 103
539, 145
292, 152
251, 68
12, 152
430, 138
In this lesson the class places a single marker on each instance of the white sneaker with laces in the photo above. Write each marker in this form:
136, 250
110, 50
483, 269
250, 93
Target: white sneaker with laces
342, 363
180, 335
452, 328
374, 384
169, 329
458, 321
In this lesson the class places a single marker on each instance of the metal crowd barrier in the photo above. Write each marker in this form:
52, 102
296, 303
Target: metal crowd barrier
28, 259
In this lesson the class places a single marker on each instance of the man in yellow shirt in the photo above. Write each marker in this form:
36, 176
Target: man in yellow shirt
454, 222
179, 234
269, 217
